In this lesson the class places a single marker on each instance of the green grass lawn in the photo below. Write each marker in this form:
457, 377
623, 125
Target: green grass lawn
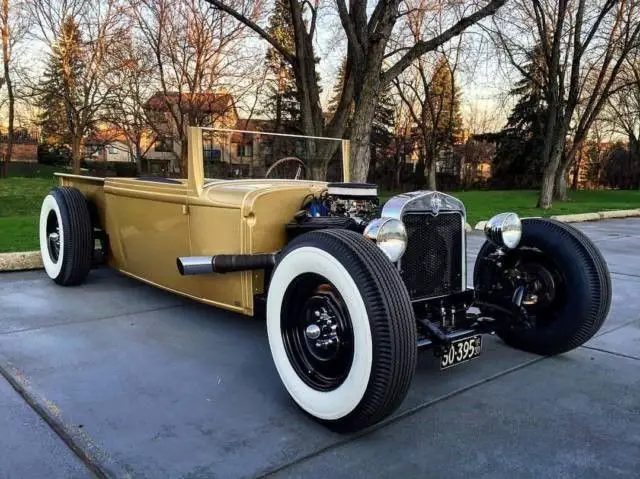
20, 200
482, 205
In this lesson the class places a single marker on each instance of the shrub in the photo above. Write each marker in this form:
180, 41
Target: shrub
54, 154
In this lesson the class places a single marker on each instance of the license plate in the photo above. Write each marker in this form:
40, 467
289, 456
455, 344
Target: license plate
461, 351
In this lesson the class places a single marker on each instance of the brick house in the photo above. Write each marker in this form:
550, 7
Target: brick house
25, 147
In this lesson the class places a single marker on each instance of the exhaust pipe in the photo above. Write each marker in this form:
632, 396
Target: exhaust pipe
224, 263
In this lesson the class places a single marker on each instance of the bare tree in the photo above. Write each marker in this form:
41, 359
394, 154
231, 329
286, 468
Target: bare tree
12, 28
372, 62
429, 94
82, 37
479, 119
134, 83
195, 50
584, 44
429, 90
622, 112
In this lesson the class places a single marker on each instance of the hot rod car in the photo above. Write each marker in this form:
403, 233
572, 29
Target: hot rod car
350, 290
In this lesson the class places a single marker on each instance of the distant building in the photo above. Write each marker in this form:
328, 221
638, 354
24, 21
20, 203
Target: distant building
25, 146
586, 171
215, 110
250, 149
108, 145
475, 157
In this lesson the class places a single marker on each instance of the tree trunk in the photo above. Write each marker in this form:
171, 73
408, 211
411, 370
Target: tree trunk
10, 96
184, 157
576, 172
545, 200
418, 173
431, 153
138, 158
431, 175
360, 138
76, 153
560, 185
318, 172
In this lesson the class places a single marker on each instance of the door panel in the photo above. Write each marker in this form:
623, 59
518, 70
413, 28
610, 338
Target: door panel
148, 229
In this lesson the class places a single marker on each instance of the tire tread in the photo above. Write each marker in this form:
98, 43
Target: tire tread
391, 319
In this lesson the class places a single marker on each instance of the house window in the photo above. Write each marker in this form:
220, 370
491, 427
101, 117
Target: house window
164, 145
211, 154
113, 150
244, 150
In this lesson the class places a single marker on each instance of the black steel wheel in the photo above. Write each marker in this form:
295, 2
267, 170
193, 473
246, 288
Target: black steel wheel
557, 283
317, 332
341, 329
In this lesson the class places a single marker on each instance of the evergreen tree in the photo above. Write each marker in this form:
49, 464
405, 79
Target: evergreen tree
282, 103
382, 136
59, 93
436, 113
518, 162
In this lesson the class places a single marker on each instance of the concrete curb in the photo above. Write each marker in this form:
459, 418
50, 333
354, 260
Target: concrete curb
577, 218
20, 261
619, 213
480, 225
581, 217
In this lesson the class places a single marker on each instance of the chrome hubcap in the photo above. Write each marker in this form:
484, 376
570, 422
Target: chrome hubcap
313, 331
53, 236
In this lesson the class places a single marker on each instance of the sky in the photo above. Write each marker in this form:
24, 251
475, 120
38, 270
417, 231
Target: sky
482, 85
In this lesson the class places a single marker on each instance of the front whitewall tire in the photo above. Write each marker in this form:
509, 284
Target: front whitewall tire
377, 328
340, 402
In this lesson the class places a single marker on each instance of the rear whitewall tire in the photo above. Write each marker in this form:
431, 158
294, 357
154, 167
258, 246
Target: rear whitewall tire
51, 267
338, 403
66, 236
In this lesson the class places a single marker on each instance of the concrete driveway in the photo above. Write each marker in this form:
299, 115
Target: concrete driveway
115, 378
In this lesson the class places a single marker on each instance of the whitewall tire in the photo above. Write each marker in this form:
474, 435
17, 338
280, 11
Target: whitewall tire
66, 236
334, 299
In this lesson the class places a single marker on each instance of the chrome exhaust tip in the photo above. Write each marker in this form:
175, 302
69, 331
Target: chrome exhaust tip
224, 263
188, 265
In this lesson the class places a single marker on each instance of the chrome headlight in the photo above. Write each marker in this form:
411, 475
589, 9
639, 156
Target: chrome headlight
390, 236
504, 230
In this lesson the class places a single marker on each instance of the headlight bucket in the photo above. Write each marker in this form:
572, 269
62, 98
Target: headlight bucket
390, 235
504, 230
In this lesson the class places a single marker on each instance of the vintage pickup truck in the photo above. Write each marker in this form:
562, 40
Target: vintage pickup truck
351, 291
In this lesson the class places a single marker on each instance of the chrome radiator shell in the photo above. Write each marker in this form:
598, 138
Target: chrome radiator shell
432, 203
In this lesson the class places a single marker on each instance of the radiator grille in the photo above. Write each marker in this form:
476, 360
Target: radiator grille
432, 262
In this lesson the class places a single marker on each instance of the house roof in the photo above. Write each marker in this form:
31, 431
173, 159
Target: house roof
245, 124
207, 102
106, 135
254, 125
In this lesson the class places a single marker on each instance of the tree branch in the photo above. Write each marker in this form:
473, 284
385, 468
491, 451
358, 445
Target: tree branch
350, 29
255, 27
422, 47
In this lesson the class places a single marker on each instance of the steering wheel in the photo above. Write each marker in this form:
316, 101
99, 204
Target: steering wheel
288, 168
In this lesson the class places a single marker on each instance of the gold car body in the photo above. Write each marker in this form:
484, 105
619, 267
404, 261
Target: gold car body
150, 224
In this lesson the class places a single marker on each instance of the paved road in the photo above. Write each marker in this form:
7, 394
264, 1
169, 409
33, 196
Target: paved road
141, 383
